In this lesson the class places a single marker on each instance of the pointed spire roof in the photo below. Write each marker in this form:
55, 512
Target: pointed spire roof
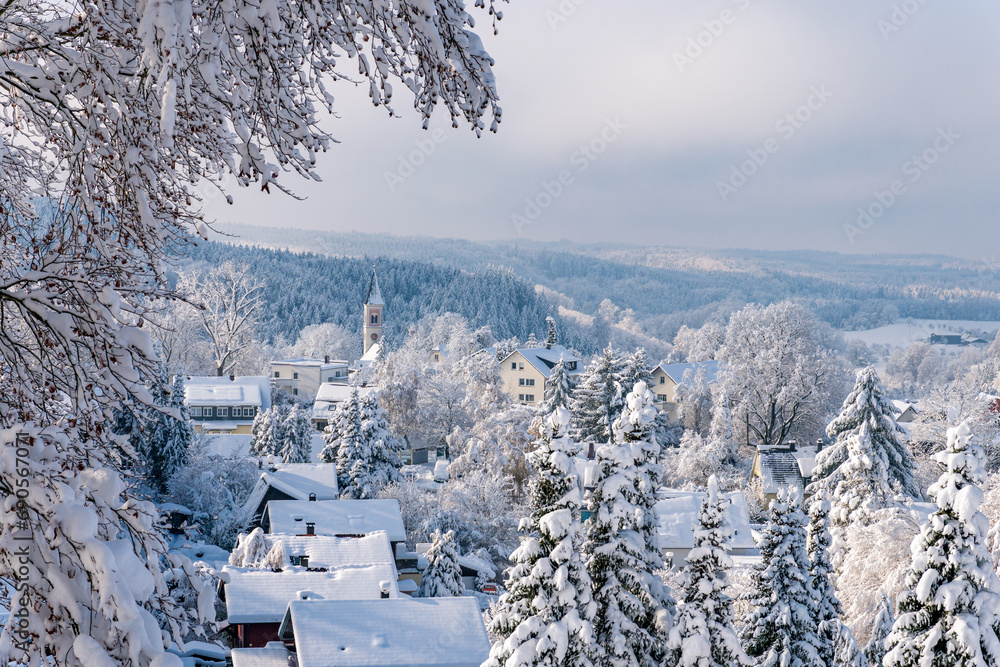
374, 295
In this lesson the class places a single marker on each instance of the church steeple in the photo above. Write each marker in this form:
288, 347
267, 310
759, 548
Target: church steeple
373, 307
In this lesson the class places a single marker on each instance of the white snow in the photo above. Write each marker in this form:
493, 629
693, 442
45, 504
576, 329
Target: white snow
210, 391
678, 512
904, 333
296, 480
337, 517
336, 552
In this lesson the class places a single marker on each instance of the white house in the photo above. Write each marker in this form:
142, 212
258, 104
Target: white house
226, 404
677, 512
329, 396
292, 481
667, 376
302, 377
525, 370
401, 632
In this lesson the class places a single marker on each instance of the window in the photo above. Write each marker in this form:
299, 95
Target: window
437, 357
277, 374
520, 397
530, 398
520, 366
662, 398
513, 365
295, 376
663, 380
571, 365
295, 392
374, 318
208, 412
223, 412
520, 382
530, 382
196, 412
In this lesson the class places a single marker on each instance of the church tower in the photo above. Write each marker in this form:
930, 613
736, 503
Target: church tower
373, 307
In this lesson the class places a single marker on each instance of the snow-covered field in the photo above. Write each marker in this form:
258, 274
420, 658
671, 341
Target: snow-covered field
905, 332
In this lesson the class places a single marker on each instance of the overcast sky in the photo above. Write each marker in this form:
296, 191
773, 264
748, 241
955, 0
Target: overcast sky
673, 98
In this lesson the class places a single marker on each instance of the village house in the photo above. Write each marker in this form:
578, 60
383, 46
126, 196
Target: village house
226, 405
783, 467
256, 599
292, 481
677, 512
667, 376
303, 377
399, 632
525, 370
329, 396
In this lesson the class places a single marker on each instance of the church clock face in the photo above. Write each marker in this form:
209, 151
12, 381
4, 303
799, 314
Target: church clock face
374, 336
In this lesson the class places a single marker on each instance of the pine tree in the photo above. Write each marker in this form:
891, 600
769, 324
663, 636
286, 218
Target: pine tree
721, 434
558, 389
532, 341
881, 627
297, 430
546, 616
552, 338
383, 447
634, 607
948, 615
780, 629
703, 634
866, 406
443, 575
826, 608
597, 399
635, 368
267, 432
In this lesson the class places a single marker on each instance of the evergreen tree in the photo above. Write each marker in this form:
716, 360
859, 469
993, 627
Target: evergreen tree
780, 630
635, 368
826, 608
346, 421
176, 436
532, 341
267, 432
881, 627
251, 550
443, 575
368, 455
545, 617
558, 388
703, 634
948, 615
384, 449
297, 428
721, 434
866, 406
634, 607
552, 337
597, 399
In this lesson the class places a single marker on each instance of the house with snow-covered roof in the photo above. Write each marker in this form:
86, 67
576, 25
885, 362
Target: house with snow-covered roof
256, 599
328, 398
677, 512
667, 376
292, 481
226, 405
402, 632
783, 467
525, 370
302, 377
339, 518
335, 552
905, 412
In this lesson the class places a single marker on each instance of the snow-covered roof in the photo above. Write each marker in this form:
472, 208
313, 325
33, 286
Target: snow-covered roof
247, 390
779, 469
336, 552
806, 465
371, 355
586, 469
374, 295
417, 632
211, 554
676, 371
274, 654
544, 359
468, 561
297, 480
337, 517
262, 596
678, 512
308, 362
331, 394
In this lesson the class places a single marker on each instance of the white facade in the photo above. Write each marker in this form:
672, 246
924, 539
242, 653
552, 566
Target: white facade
226, 404
303, 377
525, 370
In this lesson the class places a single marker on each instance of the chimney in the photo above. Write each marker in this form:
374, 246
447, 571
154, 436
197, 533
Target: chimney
232, 378
303, 561
312, 497
383, 588
260, 464
326, 359
310, 528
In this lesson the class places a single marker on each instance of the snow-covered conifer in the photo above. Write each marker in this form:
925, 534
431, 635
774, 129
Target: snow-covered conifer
597, 399
866, 406
703, 634
779, 630
384, 448
251, 550
532, 341
558, 389
267, 432
635, 368
297, 429
367, 453
634, 607
552, 337
545, 617
443, 575
948, 615
721, 434
826, 608
881, 627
